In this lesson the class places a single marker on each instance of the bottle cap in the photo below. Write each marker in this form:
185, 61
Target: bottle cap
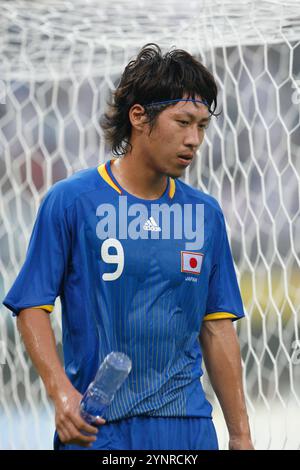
119, 361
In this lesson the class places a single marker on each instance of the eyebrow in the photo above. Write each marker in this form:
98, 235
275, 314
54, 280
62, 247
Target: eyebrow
205, 119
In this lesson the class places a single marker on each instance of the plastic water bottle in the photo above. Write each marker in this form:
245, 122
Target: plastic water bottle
111, 374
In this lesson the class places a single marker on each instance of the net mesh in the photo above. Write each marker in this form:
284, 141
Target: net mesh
58, 68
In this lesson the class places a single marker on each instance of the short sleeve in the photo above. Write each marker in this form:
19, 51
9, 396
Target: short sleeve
39, 281
224, 298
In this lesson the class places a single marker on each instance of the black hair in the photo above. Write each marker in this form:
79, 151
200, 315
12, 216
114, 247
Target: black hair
154, 77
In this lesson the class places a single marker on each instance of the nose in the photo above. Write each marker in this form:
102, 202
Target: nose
193, 137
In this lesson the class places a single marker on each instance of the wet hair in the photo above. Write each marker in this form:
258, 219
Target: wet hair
150, 78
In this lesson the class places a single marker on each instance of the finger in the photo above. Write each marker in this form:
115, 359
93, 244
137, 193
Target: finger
79, 422
64, 436
100, 420
76, 436
82, 444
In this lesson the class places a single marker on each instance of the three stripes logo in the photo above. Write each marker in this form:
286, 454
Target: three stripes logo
151, 225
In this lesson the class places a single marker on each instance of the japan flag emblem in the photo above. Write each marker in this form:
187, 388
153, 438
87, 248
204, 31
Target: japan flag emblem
191, 262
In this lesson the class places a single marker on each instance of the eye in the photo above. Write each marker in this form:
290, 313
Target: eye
184, 122
204, 126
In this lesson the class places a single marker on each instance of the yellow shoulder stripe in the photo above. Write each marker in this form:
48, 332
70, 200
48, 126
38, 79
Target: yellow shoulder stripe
103, 173
172, 188
49, 308
219, 316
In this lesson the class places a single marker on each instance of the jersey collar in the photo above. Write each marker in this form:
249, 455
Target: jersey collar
104, 172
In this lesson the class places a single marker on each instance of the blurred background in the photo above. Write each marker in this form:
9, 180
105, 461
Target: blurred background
59, 63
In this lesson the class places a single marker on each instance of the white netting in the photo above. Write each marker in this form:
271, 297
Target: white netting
59, 62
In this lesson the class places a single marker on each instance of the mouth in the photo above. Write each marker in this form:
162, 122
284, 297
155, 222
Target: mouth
185, 159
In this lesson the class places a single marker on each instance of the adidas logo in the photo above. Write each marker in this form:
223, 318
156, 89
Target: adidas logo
150, 224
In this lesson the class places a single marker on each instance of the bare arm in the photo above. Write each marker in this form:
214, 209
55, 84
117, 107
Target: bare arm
221, 354
35, 328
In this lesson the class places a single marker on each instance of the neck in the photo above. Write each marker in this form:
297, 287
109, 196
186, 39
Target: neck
139, 178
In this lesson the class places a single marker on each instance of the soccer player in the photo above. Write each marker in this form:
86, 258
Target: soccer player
142, 264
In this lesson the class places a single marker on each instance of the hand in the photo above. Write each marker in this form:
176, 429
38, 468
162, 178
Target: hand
69, 424
240, 443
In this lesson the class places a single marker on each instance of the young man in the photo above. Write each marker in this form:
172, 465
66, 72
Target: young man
142, 265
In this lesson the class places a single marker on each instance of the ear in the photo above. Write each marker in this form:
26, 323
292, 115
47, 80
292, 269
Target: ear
137, 117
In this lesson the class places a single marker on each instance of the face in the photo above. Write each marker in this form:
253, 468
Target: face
178, 133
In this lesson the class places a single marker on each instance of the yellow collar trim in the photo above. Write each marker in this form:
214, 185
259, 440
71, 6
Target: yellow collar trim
172, 188
103, 173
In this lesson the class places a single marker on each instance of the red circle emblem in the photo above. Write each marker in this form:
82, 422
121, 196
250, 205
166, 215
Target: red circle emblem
193, 263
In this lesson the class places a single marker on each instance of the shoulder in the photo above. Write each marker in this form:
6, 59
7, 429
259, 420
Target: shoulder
65, 192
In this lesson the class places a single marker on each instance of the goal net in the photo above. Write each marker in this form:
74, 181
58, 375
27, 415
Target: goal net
59, 63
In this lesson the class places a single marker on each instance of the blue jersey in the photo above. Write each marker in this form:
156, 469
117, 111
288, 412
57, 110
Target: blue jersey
136, 276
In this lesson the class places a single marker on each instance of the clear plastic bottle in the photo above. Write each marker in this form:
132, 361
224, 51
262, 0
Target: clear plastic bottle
111, 374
